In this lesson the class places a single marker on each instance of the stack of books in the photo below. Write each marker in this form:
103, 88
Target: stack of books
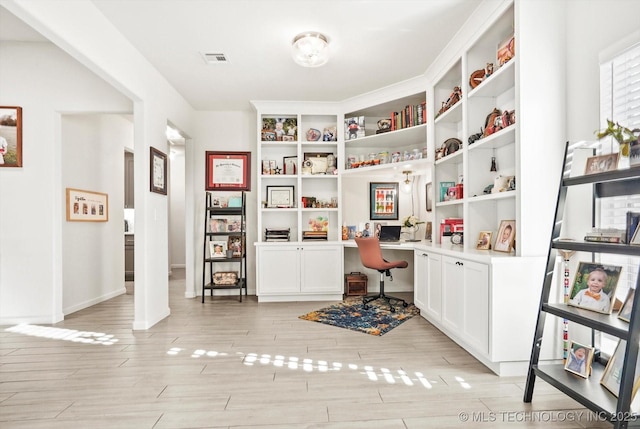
277, 234
606, 235
314, 235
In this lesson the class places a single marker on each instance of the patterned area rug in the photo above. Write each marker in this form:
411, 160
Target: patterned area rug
351, 314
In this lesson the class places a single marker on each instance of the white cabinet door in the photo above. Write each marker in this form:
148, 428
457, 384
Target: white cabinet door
428, 284
321, 270
421, 279
476, 305
434, 286
453, 294
279, 270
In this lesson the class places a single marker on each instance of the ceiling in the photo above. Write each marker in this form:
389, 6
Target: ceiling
374, 43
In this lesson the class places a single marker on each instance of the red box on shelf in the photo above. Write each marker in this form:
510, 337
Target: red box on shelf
450, 225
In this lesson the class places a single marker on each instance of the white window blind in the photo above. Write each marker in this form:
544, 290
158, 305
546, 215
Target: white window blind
620, 102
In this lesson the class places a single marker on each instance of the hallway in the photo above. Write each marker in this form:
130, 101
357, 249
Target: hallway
225, 364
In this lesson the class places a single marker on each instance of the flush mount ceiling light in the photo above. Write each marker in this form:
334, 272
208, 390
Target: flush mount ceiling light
310, 49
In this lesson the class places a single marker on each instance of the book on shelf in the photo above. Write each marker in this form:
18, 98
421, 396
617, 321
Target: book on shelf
633, 218
444, 190
606, 235
314, 235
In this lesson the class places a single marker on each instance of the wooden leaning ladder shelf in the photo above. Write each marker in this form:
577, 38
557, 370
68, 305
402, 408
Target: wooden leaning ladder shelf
212, 281
589, 392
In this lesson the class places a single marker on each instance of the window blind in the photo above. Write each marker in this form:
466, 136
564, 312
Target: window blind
620, 102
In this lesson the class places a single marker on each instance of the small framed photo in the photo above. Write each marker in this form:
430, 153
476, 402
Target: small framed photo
506, 236
627, 307
377, 226
217, 249
319, 162
601, 163
484, 240
280, 196
158, 171
612, 375
10, 136
87, 206
236, 244
217, 225
383, 201
228, 171
579, 359
594, 286
290, 164
279, 129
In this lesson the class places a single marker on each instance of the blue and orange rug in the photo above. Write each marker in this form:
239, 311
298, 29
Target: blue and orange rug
376, 319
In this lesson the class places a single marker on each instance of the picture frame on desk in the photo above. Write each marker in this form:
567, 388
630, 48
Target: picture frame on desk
383, 200
280, 196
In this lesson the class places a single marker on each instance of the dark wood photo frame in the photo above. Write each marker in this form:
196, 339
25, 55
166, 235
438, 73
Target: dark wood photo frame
383, 201
157, 171
228, 171
10, 136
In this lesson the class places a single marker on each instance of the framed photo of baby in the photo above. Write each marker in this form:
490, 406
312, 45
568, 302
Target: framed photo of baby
594, 287
579, 359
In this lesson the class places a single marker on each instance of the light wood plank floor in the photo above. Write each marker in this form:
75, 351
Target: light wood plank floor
225, 364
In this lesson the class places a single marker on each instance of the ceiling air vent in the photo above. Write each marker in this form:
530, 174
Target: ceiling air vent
215, 58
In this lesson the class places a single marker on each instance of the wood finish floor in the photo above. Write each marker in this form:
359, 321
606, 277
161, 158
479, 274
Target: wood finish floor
225, 364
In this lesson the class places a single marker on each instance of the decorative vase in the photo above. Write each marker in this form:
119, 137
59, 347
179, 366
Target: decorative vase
412, 232
623, 156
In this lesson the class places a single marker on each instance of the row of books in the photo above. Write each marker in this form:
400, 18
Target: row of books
410, 116
628, 235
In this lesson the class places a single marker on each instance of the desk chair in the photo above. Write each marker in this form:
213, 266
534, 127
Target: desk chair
371, 257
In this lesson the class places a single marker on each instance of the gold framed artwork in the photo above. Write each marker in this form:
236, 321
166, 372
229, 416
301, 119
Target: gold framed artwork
506, 236
612, 375
484, 240
87, 206
594, 286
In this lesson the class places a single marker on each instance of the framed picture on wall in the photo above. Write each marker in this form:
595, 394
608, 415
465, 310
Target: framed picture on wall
10, 136
87, 206
228, 171
158, 171
383, 201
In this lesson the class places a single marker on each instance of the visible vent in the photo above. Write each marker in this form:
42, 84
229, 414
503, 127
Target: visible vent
215, 58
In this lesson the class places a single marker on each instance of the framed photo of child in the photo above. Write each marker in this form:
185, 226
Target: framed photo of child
484, 240
579, 359
594, 286
506, 236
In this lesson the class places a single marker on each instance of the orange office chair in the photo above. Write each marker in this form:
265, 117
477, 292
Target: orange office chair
371, 257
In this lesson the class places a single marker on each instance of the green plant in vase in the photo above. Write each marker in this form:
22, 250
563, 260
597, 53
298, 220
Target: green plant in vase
623, 135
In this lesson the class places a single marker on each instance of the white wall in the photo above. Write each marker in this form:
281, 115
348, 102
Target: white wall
177, 243
222, 131
45, 82
93, 253
87, 36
